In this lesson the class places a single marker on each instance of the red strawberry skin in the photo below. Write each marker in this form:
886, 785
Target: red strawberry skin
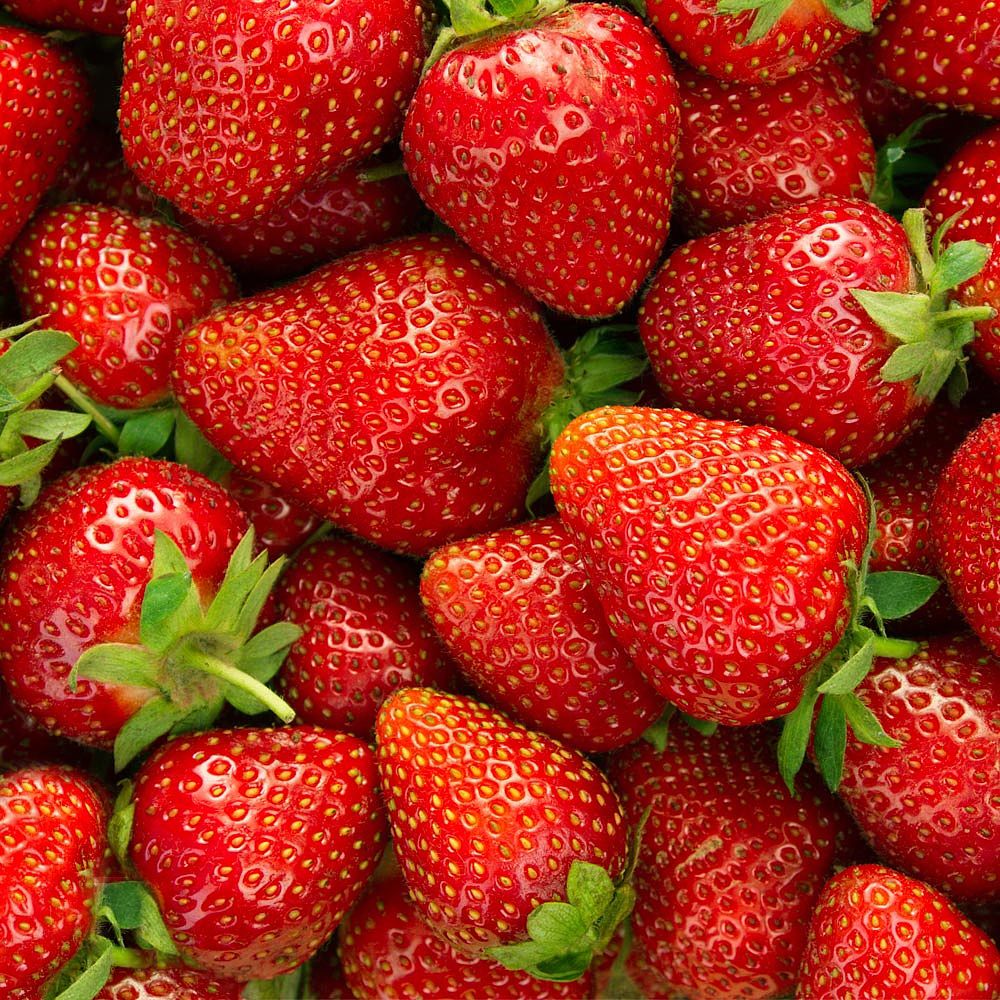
758, 324
255, 842
280, 525
730, 864
571, 196
876, 932
388, 952
74, 573
944, 53
804, 36
170, 983
105, 17
52, 847
124, 288
364, 634
229, 113
44, 103
396, 393
487, 822
518, 613
925, 806
965, 530
748, 150
716, 551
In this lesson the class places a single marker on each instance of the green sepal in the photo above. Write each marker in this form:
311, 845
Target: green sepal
88, 981
47, 425
795, 729
116, 663
261, 657
147, 433
120, 824
171, 604
853, 670
768, 13
863, 723
155, 719
27, 465
703, 726
898, 594
830, 742
130, 906
30, 357
657, 733
854, 14
193, 450
292, 985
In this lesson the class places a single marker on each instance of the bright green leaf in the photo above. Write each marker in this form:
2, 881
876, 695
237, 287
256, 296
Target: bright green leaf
905, 316
830, 741
590, 889
794, 739
146, 433
852, 671
118, 663
151, 722
899, 594
27, 465
863, 723
49, 424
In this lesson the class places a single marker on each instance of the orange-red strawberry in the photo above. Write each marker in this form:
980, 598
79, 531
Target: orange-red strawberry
280, 525
519, 615
877, 933
175, 982
928, 806
364, 634
254, 842
124, 287
749, 150
548, 146
510, 842
52, 847
106, 17
230, 111
44, 104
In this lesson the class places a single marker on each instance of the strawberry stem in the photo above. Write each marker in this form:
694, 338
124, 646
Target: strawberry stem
85, 405
198, 659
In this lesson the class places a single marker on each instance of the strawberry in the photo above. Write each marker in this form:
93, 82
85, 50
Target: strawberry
518, 613
815, 321
749, 150
944, 53
965, 530
280, 525
548, 145
396, 393
964, 192
878, 933
124, 287
389, 952
52, 847
169, 983
926, 806
325, 220
231, 112
128, 601
364, 634
730, 863
509, 841
23, 741
254, 842
106, 17
749, 41
44, 104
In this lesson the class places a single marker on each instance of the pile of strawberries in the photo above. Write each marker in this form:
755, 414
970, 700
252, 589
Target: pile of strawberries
501, 498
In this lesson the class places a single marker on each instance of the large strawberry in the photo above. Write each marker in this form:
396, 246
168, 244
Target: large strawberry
510, 842
730, 863
945, 53
176, 982
754, 40
926, 806
124, 288
747, 151
396, 393
44, 104
254, 842
518, 613
813, 320
52, 847
229, 110
548, 145
878, 933
106, 17
280, 525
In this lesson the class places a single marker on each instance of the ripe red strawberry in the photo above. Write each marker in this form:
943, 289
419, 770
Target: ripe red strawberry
965, 530
329, 218
549, 148
749, 150
966, 188
490, 821
878, 933
730, 863
170, 983
52, 847
106, 17
124, 288
945, 53
254, 842
44, 103
926, 806
23, 741
755, 40
396, 393
364, 634
110, 577
388, 952
518, 613
231, 113
280, 525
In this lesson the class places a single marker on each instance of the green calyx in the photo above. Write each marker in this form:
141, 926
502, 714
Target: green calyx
875, 599
854, 14
902, 171
566, 936
933, 330
657, 734
194, 659
597, 365
27, 369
